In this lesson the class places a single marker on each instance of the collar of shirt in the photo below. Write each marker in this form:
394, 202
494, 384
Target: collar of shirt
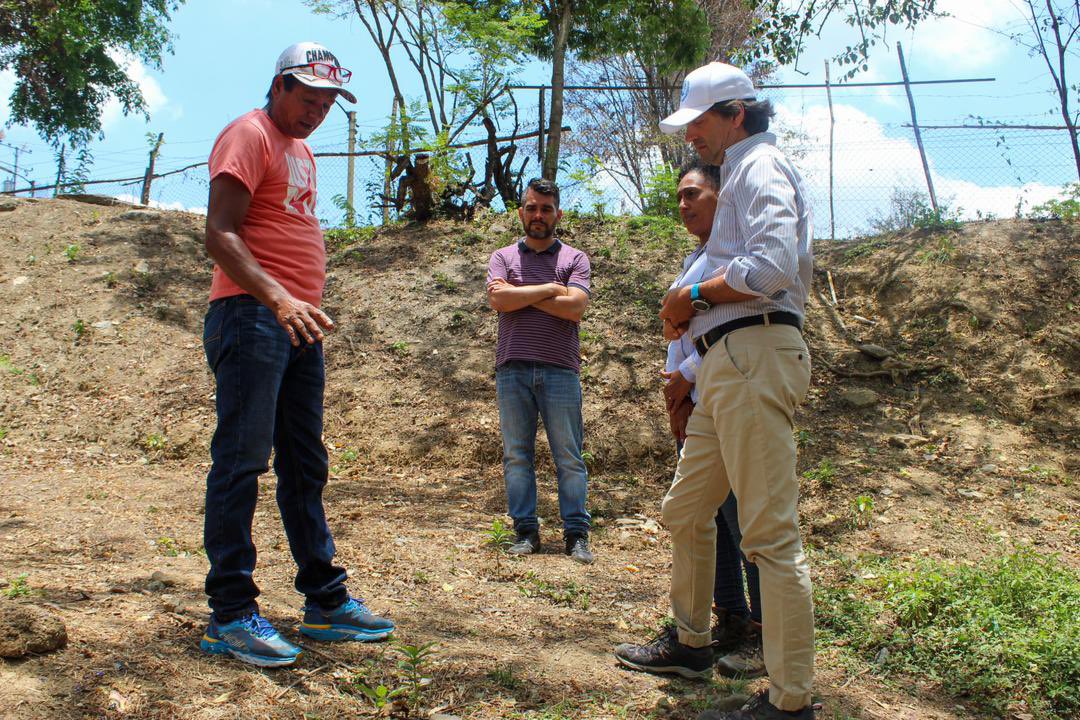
734, 154
524, 247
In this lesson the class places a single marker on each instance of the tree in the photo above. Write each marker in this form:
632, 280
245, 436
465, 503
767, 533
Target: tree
1052, 27
459, 58
68, 54
674, 32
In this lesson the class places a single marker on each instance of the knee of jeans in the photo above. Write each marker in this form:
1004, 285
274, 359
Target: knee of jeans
677, 514
777, 547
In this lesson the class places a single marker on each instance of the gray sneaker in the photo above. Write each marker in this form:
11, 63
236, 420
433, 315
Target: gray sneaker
748, 662
759, 708
577, 547
526, 543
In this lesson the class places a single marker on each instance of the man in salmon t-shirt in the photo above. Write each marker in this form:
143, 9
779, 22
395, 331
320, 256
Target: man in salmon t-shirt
263, 341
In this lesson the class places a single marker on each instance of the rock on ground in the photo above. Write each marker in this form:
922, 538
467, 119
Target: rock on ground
28, 629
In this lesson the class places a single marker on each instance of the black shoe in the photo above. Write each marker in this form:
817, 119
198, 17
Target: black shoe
577, 547
666, 654
747, 661
526, 543
759, 708
729, 631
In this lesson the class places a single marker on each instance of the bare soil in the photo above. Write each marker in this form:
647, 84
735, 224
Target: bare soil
106, 409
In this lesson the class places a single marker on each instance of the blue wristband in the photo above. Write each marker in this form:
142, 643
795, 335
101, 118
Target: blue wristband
694, 292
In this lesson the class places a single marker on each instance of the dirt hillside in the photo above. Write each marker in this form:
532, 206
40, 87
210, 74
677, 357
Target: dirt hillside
963, 431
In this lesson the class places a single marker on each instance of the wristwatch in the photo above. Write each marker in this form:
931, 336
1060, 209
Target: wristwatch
699, 303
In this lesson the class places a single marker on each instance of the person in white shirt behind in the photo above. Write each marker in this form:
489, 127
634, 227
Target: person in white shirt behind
736, 630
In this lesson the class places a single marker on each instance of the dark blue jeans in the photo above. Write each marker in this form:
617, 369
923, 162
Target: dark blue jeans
728, 589
527, 390
269, 396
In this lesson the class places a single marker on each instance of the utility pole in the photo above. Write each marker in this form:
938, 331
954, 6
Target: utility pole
350, 211
59, 171
149, 177
15, 169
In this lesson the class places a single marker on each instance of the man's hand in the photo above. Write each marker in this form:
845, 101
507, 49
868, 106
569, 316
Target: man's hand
672, 333
677, 309
301, 320
676, 388
678, 418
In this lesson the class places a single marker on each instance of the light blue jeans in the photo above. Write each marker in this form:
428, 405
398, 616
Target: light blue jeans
527, 390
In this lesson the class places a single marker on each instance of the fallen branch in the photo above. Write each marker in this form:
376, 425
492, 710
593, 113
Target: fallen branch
300, 679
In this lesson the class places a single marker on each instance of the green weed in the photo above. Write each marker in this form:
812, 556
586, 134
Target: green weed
349, 455
154, 442
803, 438
3, 433
862, 511
400, 348
72, 251
568, 593
18, 587
504, 677
998, 632
444, 282
824, 474
168, 546
110, 279
79, 328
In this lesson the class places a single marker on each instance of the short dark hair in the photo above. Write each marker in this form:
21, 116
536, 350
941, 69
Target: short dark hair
711, 173
542, 186
290, 83
757, 117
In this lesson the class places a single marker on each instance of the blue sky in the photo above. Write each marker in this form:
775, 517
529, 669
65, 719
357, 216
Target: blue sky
225, 50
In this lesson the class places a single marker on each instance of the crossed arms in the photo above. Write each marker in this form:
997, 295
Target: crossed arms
564, 302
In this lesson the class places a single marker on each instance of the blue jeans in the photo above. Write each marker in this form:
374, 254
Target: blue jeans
526, 390
269, 395
730, 562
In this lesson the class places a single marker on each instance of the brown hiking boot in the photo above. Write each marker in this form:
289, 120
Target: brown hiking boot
748, 661
729, 631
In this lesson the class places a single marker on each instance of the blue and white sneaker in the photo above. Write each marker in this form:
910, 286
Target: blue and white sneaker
350, 621
251, 639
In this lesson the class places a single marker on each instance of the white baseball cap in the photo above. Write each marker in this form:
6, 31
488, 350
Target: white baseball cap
704, 87
315, 66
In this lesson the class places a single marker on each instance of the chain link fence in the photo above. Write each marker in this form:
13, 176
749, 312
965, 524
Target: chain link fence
876, 170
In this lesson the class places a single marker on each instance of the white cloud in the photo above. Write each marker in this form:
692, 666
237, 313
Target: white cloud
177, 205
869, 164
967, 39
152, 93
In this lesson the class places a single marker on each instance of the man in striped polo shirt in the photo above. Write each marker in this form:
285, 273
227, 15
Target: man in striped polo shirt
540, 288
745, 317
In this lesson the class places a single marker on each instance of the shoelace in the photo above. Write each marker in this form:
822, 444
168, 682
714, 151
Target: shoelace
259, 626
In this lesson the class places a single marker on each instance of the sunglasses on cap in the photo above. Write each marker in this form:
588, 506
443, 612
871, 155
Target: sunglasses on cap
321, 70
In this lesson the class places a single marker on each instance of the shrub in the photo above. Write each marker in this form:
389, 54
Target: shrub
1066, 208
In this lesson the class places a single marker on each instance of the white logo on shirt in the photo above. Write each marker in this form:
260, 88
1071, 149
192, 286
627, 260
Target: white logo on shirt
300, 196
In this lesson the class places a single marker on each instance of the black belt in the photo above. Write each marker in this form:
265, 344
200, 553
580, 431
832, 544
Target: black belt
706, 341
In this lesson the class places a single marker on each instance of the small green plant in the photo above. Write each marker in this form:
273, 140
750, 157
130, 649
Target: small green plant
660, 197
862, 511
380, 695
942, 250
586, 336
588, 458
824, 473
568, 593
500, 535
72, 251
1066, 208
168, 546
154, 442
421, 578
18, 587
3, 433
400, 348
110, 279
504, 677
803, 438
414, 668
349, 455
79, 328
444, 282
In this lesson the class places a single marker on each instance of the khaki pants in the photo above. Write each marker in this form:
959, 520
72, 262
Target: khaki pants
739, 437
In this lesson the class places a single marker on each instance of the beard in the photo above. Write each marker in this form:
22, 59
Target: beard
539, 230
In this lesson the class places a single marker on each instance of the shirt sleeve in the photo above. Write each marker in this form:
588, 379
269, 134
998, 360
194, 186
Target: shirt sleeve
580, 273
243, 152
766, 199
689, 367
496, 267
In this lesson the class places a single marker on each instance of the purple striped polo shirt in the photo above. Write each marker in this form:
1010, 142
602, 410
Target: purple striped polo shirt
530, 334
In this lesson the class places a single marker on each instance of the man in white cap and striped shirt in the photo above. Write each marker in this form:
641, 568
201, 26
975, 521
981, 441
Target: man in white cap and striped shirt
746, 317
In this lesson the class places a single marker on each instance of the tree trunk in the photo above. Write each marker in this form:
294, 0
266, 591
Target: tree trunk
558, 62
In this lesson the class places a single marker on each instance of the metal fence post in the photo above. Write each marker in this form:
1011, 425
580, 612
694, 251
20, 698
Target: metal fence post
832, 125
350, 212
915, 125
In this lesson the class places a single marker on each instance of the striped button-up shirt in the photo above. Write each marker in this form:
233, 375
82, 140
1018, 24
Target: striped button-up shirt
761, 234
